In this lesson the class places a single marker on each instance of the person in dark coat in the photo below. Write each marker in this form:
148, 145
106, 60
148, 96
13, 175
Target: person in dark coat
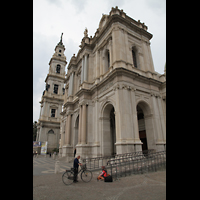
76, 164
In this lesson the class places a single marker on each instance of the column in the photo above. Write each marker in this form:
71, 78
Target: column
101, 63
135, 119
69, 90
110, 50
82, 70
137, 141
85, 68
97, 64
150, 57
62, 135
68, 128
80, 125
84, 125
156, 119
71, 84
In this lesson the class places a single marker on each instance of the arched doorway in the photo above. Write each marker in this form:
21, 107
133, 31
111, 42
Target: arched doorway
142, 128
145, 125
109, 131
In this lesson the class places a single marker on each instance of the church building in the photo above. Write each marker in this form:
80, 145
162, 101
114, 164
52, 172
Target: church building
114, 100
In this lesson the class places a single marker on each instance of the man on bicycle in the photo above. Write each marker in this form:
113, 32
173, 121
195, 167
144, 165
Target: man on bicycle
76, 164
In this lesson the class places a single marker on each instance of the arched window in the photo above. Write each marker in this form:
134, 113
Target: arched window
51, 131
58, 69
107, 60
134, 58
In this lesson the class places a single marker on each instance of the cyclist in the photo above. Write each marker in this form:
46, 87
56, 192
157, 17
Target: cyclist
76, 164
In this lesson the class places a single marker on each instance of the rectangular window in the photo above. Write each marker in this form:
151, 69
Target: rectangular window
53, 112
55, 91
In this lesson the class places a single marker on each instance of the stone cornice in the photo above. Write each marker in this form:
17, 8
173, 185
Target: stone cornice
48, 122
61, 99
105, 84
57, 76
58, 58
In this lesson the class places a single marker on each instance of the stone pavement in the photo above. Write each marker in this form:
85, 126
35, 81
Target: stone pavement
151, 186
43, 166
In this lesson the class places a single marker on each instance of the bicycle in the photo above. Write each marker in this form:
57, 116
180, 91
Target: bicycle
68, 176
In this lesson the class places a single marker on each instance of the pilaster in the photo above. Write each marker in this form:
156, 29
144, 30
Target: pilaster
84, 124
86, 68
82, 70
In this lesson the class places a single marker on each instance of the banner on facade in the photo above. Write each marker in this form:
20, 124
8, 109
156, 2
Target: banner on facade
36, 144
43, 148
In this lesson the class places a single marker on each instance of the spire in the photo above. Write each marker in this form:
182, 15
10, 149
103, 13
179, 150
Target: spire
60, 44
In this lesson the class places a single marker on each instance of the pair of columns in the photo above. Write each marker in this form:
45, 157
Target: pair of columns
82, 126
71, 84
84, 69
68, 130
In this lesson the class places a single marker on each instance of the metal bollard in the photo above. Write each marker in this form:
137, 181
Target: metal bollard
57, 167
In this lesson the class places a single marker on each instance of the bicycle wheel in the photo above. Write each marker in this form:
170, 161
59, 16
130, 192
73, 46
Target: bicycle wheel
86, 176
68, 178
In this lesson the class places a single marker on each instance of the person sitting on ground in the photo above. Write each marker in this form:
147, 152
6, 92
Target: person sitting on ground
103, 174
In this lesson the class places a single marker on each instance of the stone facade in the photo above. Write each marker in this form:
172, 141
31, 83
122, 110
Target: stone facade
52, 100
115, 101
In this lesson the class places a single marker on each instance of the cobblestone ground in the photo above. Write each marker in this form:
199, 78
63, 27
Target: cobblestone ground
151, 186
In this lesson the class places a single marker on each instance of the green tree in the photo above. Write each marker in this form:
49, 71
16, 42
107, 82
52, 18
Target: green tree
34, 130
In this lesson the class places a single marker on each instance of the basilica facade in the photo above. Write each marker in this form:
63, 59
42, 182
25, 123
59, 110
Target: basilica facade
114, 100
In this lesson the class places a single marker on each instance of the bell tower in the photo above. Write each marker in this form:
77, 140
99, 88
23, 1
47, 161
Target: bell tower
52, 99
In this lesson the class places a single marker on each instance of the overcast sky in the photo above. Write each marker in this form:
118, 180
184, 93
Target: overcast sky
52, 17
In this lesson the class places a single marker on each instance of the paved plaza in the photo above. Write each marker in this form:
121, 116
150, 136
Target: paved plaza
46, 165
48, 185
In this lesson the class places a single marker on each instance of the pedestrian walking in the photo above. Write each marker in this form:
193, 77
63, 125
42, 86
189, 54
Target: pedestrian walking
50, 154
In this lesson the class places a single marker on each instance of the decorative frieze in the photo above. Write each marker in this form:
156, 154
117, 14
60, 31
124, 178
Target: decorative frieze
106, 87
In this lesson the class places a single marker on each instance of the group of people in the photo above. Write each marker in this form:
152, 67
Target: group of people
76, 165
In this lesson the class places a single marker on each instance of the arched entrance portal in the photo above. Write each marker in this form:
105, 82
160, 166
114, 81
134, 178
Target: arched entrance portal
109, 131
142, 128
145, 125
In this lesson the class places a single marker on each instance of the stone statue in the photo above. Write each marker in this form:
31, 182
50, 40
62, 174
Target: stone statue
86, 33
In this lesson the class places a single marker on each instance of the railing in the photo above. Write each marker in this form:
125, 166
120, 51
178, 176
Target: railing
138, 164
97, 162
